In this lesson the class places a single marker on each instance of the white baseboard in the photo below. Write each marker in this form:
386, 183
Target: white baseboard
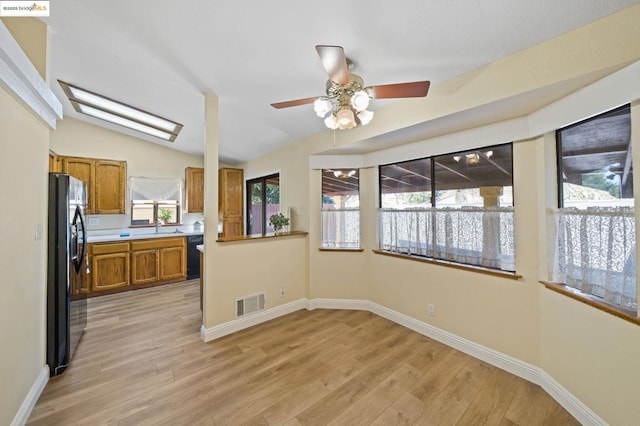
505, 362
573, 405
30, 400
220, 330
357, 305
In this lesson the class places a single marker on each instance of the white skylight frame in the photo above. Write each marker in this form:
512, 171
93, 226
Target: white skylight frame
103, 108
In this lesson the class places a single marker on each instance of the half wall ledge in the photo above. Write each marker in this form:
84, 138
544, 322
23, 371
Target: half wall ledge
260, 237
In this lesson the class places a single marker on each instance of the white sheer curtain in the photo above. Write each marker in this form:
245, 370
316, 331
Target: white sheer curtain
155, 189
341, 228
472, 235
595, 253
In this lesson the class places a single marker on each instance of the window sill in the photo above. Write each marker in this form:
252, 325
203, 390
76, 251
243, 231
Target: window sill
591, 301
471, 268
153, 226
259, 237
344, 250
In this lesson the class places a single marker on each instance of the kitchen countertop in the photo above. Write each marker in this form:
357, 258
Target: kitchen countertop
115, 234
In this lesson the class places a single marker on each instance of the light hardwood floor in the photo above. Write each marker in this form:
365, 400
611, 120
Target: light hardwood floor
141, 361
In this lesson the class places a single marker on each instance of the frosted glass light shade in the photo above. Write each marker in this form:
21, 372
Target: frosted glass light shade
345, 119
331, 122
360, 100
322, 107
365, 116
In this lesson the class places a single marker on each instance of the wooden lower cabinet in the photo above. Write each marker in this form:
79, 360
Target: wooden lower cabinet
172, 263
135, 264
110, 271
109, 265
145, 267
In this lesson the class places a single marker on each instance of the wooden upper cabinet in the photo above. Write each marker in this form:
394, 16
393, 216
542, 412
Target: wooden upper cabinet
55, 163
230, 200
106, 182
194, 182
110, 186
83, 169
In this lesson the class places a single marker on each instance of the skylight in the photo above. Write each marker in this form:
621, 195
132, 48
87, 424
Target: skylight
115, 112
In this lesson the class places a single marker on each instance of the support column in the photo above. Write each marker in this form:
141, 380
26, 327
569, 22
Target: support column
491, 227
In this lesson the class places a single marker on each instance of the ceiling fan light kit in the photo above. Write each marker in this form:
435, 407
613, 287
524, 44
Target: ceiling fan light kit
347, 99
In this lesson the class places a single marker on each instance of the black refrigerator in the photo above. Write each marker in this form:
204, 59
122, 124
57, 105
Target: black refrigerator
67, 269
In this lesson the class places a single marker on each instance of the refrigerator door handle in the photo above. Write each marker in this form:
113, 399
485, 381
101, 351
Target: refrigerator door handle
77, 262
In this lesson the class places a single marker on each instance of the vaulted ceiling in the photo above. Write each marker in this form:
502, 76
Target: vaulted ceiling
162, 56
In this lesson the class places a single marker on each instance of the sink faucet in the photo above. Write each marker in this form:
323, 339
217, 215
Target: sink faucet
157, 226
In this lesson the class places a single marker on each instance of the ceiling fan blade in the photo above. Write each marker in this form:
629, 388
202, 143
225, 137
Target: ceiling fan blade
334, 62
418, 89
287, 104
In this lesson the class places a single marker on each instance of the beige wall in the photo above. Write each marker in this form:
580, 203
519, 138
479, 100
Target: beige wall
77, 138
33, 37
518, 318
592, 354
24, 145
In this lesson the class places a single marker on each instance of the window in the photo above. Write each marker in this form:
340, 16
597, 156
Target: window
456, 207
595, 224
263, 200
155, 201
340, 209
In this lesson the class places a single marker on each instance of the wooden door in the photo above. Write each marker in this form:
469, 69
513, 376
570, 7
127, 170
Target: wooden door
83, 169
194, 181
110, 185
172, 263
145, 268
110, 271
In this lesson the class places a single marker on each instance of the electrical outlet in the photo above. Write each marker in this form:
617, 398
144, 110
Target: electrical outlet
431, 310
38, 232
94, 221
283, 293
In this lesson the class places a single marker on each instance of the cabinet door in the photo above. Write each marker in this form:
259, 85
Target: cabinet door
233, 185
230, 199
83, 169
172, 263
145, 267
110, 182
194, 181
232, 227
110, 271
55, 163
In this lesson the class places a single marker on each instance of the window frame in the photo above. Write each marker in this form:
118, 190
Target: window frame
322, 209
432, 170
264, 219
432, 205
559, 156
156, 207
587, 297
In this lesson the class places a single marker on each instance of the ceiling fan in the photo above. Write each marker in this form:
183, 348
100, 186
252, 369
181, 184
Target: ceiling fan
347, 98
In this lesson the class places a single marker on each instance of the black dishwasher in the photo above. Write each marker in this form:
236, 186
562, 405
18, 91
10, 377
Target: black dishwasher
193, 256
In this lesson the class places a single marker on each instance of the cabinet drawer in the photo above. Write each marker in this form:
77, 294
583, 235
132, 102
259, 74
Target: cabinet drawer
158, 243
108, 248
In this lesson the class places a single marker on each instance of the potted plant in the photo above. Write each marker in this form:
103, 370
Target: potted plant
164, 214
278, 221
